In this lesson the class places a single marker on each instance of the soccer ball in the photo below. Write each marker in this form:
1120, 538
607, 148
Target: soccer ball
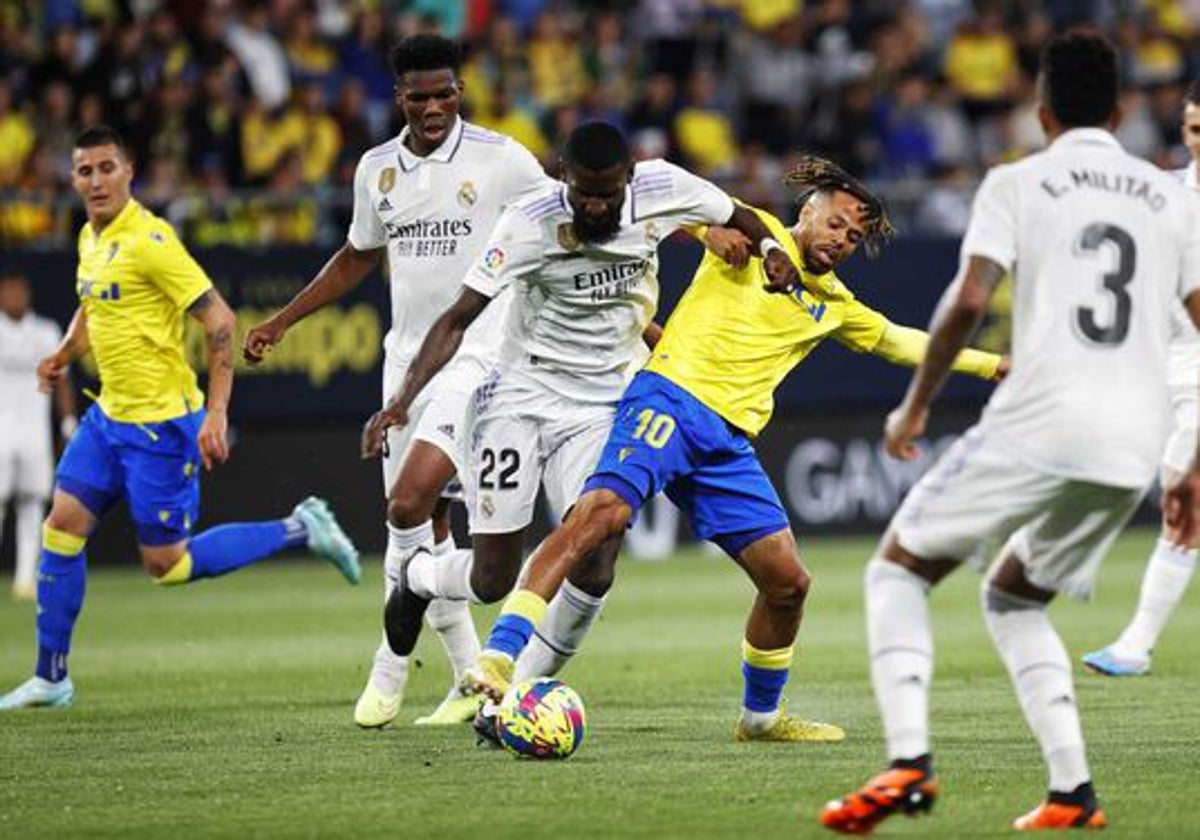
541, 718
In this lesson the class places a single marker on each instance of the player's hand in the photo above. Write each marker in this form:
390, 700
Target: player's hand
729, 244
213, 438
374, 435
49, 371
1002, 369
782, 274
261, 340
1181, 508
904, 425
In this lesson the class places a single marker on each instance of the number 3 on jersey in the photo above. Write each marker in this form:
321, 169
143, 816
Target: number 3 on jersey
654, 428
1090, 240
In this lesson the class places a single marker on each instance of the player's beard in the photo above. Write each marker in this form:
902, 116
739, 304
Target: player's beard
592, 231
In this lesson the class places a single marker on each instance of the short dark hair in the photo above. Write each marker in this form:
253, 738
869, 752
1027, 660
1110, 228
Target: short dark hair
425, 52
1192, 97
595, 146
101, 135
1080, 78
812, 175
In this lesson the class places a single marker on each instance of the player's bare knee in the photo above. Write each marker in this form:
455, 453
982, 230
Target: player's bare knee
159, 561
407, 507
600, 515
788, 592
492, 585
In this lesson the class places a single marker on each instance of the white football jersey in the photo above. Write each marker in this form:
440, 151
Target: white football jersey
579, 311
1102, 246
24, 343
1183, 366
433, 215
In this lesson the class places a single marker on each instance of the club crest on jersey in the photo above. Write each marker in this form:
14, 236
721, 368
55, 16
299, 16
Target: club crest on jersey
653, 235
567, 239
387, 179
467, 194
494, 258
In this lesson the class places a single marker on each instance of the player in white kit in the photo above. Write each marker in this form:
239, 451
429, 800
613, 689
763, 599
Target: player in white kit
424, 203
1171, 567
26, 443
1102, 247
581, 259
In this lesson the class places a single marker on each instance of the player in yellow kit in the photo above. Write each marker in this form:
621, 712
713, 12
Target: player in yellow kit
150, 429
686, 422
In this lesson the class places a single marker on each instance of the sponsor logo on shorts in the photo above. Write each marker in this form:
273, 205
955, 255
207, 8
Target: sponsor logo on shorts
447, 429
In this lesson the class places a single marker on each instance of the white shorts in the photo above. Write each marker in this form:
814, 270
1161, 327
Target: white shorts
977, 498
26, 467
437, 415
1181, 445
523, 437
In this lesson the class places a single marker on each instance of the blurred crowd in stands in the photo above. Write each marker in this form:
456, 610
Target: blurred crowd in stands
247, 118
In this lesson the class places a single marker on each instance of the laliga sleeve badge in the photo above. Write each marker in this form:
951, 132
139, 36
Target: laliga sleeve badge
493, 259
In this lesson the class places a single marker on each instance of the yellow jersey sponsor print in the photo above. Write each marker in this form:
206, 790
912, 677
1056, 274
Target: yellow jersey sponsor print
135, 283
729, 343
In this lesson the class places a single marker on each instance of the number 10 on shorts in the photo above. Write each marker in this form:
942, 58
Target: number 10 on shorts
654, 428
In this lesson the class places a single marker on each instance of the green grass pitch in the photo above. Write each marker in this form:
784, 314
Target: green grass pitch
224, 709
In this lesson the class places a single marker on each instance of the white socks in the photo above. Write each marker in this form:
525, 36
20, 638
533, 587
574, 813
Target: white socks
900, 641
28, 540
452, 621
1040, 670
568, 618
1167, 576
446, 575
390, 671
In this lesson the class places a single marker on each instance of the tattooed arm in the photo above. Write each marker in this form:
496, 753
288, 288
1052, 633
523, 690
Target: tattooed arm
218, 321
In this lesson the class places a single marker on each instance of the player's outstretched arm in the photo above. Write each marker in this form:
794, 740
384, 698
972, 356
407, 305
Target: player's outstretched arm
902, 345
958, 316
214, 314
440, 344
344, 270
74, 344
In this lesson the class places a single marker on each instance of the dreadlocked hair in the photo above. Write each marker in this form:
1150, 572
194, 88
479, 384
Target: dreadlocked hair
812, 175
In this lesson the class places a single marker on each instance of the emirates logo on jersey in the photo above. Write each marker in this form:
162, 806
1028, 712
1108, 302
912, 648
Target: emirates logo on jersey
467, 195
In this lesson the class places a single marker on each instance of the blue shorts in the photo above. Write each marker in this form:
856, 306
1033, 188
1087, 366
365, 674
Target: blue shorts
663, 438
155, 466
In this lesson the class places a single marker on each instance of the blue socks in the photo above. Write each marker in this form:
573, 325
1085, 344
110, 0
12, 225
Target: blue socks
62, 577
225, 548
765, 673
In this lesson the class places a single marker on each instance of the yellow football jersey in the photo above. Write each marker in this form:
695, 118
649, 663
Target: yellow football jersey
135, 283
729, 343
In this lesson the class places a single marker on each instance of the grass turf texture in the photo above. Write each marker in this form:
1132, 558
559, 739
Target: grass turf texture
224, 709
